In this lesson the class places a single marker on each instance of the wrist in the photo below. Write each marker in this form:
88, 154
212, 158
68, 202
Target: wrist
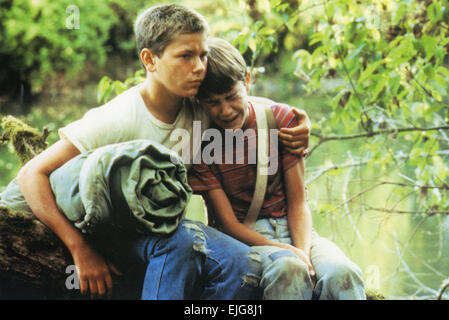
75, 243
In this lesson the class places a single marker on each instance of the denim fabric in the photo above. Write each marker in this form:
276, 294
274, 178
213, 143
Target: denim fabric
286, 277
196, 262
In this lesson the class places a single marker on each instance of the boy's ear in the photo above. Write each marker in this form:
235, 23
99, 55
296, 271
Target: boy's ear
248, 81
148, 59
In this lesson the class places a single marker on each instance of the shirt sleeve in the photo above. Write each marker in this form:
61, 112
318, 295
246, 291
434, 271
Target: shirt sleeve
91, 131
202, 178
285, 118
110, 123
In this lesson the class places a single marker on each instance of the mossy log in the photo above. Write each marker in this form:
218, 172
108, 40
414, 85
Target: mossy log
27, 141
32, 259
35, 264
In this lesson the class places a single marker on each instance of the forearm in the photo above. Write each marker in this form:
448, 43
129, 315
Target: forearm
300, 227
37, 192
245, 234
298, 213
33, 180
218, 203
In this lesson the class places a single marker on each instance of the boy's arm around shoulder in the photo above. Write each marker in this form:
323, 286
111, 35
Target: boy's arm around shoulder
294, 139
33, 180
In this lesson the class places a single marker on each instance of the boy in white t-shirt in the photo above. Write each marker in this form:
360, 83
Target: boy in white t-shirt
171, 40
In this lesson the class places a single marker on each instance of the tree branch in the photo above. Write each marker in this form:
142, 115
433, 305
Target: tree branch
428, 212
444, 286
323, 139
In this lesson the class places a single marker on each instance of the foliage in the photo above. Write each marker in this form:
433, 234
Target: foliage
391, 58
41, 38
108, 88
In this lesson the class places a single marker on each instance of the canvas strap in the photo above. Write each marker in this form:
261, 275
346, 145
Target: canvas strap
265, 120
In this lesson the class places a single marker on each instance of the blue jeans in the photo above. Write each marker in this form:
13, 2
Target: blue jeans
286, 276
196, 262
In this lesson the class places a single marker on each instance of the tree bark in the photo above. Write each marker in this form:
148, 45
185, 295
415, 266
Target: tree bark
32, 260
35, 264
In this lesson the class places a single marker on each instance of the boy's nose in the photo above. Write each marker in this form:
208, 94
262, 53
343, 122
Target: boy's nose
226, 110
200, 65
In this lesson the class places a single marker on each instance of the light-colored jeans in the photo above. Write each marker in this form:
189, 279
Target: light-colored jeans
286, 277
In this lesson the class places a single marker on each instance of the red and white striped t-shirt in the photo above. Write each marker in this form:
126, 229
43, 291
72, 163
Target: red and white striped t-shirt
238, 180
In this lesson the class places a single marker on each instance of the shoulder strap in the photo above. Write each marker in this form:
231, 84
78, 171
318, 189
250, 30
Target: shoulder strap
262, 167
272, 124
265, 120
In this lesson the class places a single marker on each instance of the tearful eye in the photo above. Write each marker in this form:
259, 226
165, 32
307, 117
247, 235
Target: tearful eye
211, 102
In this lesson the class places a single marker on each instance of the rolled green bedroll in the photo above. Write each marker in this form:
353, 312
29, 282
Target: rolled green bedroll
138, 184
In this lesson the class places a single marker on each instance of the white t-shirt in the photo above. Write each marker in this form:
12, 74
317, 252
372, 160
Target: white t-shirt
127, 118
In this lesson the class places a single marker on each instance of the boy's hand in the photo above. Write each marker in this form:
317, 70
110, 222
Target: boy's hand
303, 256
93, 272
296, 140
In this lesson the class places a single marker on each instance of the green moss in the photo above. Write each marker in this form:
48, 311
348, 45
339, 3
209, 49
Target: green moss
372, 294
26, 140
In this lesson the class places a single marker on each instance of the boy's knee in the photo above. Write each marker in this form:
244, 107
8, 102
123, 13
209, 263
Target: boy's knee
286, 268
344, 277
287, 278
292, 266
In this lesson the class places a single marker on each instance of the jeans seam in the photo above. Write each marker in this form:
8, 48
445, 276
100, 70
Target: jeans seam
221, 277
160, 277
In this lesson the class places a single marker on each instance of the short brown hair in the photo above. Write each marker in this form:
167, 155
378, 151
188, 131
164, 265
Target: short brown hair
158, 25
225, 67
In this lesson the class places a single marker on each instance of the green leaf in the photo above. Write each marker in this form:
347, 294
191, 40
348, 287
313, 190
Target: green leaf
368, 71
119, 87
381, 82
394, 82
252, 44
104, 86
434, 12
400, 12
357, 51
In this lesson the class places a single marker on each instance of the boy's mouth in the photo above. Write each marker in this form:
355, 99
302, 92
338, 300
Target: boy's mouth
230, 120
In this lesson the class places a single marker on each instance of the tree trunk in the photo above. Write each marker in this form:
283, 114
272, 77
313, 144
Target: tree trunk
34, 263
33, 260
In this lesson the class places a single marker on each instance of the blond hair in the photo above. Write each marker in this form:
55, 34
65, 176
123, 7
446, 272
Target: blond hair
158, 25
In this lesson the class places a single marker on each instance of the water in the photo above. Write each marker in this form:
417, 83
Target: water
404, 256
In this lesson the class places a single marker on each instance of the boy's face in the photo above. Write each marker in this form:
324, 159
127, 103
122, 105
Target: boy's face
228, 110
182, 65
